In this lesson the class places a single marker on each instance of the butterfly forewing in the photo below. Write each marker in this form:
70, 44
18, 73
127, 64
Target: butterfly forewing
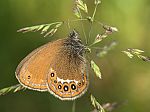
32, 71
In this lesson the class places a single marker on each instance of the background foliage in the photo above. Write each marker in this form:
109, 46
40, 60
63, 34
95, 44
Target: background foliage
123, 78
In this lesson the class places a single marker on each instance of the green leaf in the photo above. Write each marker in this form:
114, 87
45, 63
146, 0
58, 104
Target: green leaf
82, 5
58, 25
93, 101
99, 38
135, 51
51, 32
26, 29
95, 69
40, 27
14, 88
144, 58
96, 104
86, 9
45, 29
110, 29
128, 54
32, 28
138, 50
77, 13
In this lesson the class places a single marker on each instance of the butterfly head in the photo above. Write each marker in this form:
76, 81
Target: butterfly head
74, 35
74, 38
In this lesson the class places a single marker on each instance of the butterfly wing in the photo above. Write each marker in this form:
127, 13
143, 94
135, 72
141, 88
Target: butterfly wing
67, 76
58, 67
32, 71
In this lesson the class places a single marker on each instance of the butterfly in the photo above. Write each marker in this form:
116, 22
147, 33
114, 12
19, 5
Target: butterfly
58, 67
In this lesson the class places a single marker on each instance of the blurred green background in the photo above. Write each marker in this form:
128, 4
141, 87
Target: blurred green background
123, 78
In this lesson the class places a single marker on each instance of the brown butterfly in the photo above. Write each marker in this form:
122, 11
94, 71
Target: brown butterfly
58, 67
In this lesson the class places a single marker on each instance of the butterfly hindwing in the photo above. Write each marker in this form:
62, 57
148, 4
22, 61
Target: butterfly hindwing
67, 76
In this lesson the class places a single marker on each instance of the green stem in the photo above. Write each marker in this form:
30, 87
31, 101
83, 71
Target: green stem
82, 26
94, 12
54, 23
49, 24
75, 20
78, 20
74, 106
99, 22
91, 45
92, 20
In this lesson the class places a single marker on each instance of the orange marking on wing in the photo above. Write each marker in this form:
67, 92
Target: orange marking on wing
69, 93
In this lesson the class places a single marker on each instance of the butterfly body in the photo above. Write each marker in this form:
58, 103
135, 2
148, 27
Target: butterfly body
58, 67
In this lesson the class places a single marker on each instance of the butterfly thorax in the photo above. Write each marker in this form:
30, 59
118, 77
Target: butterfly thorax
74, 44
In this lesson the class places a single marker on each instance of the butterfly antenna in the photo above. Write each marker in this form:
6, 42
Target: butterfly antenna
91, 24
